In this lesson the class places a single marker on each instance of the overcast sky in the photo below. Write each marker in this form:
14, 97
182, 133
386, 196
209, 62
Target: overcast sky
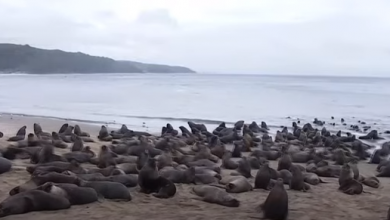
349, 37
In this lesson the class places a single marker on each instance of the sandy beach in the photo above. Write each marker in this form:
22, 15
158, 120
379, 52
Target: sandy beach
322, 202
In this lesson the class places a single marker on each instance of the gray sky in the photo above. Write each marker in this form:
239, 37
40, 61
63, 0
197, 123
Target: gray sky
349, 37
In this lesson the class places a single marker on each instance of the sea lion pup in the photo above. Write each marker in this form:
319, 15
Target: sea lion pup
244, 167
347, 184
32, 200
20, 135
275, 206
77, 131
285, 161
227, 162
104, 135
105, 157
57, 141
109, 190
78, 143
297, 180
212, 194
263, 177
370, 181
239, 185
5, 165
75, 194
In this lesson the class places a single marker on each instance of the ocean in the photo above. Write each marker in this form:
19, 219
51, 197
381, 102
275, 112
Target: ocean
148, 101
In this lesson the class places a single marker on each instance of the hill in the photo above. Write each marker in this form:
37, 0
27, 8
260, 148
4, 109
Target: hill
27, 59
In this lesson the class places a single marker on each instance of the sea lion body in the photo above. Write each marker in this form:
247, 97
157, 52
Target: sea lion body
75, 194
109, 190
239, 185
263, 177
32, 200
297, 180
5, 165
215, 195
275, 206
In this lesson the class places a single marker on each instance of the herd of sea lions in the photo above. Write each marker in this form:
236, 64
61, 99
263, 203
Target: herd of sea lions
156, 163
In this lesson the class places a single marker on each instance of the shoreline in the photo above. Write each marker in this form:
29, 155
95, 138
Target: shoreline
315, 204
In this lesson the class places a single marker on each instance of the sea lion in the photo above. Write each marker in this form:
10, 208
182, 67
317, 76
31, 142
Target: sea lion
55, 178
179, 176
20, 134
109, 190
104, 135
63, 128
151, 182
212, 194
78, 143
105, 157
128, 168
75, 194
28, 185
236, 153
227, 162
275, 206
5, 165
57, 141
371, 181
244, 167
77, 131
32, 200
312, 179
80, 157
39, 132
284, 162
297, 180
263, 177
239, 185
285, 175
347, 184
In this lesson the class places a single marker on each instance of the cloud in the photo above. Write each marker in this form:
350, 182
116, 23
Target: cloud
251, 36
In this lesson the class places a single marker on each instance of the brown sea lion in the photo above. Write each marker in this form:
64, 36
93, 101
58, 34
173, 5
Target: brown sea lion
105, 157
275, 206
104, 135
212, 194
77, 131
244, 167
284, 162
109, 190
227, 162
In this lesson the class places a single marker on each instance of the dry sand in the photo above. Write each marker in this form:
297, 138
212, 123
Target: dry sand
323, 202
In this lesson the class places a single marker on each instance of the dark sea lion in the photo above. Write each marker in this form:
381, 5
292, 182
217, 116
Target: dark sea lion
86, 177
239, 185
297, 180
1, 134
239, 124
263, 177
5, 165
236, 153
39, 132
264, 125
109, 190
284, 162
347, 184
105, 157
104, 135
215, 195
275, 206
20, 134
151, 182
128, 180
128, 168
63, 128
80, 157
78, 144
285, 175
244, 167
75, 194
57, 141
77, 131
32, 200
28, 185
201, 179
227, 162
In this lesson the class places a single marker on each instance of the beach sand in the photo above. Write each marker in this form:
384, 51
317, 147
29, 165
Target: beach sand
322, 202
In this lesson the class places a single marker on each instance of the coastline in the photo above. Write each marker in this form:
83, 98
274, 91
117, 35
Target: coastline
315, 204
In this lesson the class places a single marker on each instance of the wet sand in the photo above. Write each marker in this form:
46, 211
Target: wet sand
322, 202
